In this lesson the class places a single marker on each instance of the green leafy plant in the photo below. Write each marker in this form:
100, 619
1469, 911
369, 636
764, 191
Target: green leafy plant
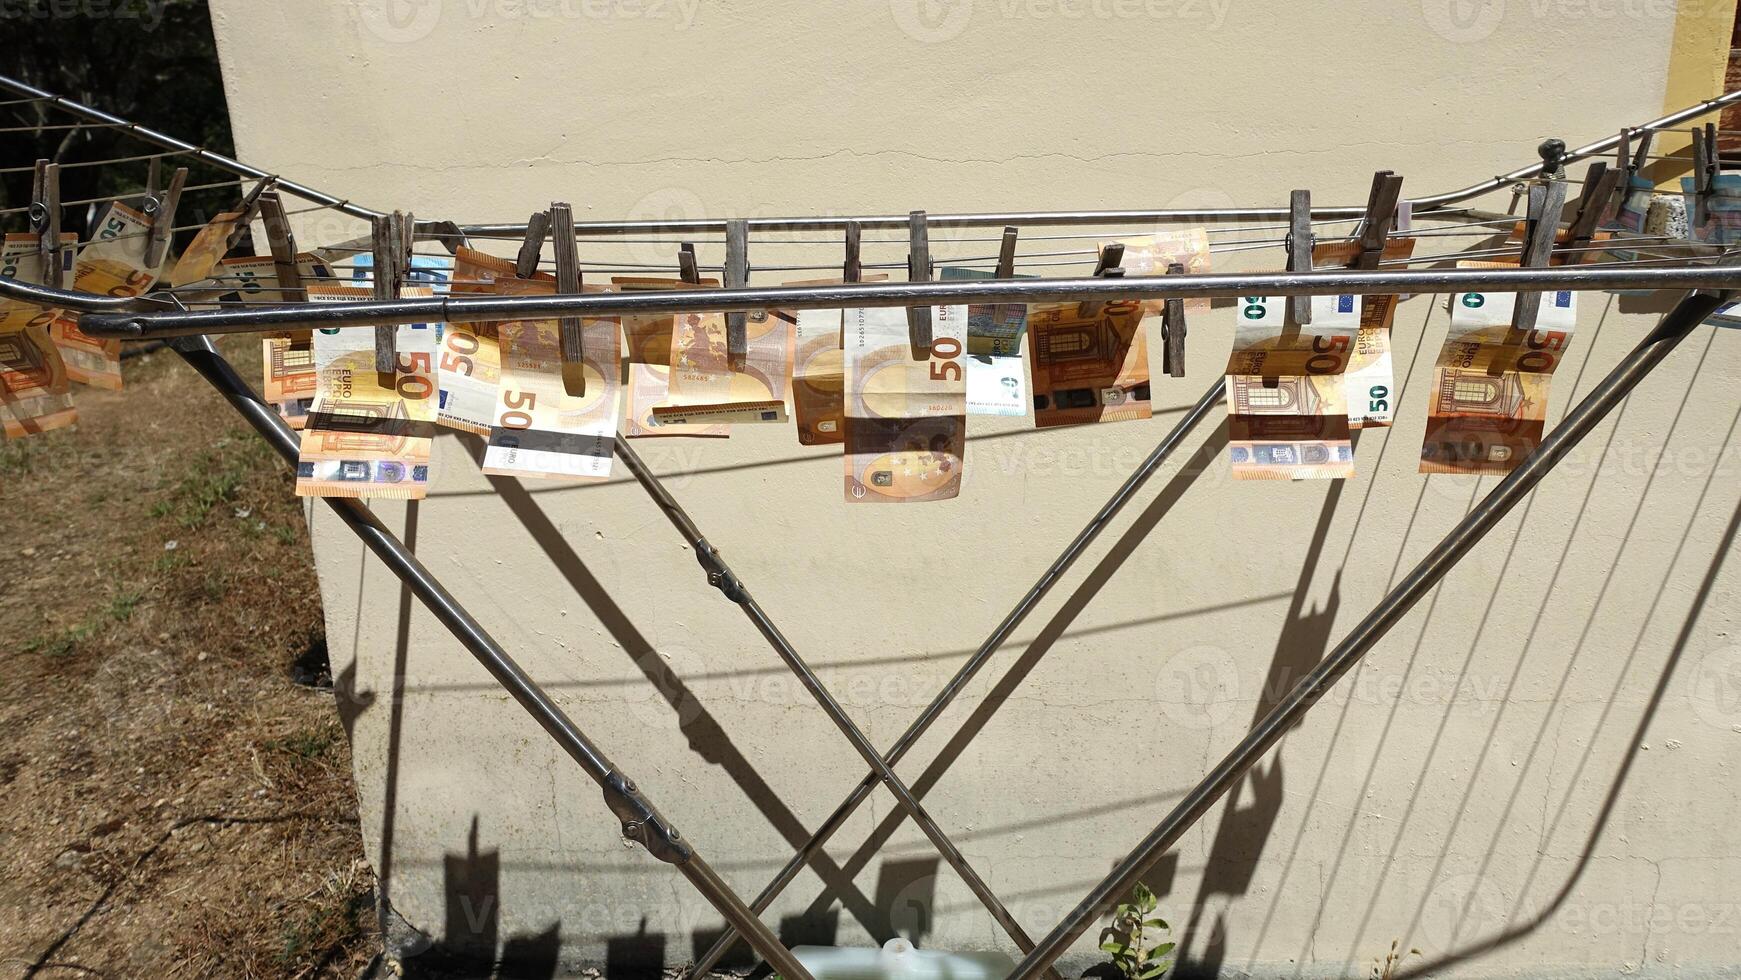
1386, 968
1132, 939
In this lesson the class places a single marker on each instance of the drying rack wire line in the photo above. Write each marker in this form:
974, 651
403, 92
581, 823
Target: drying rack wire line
839, 222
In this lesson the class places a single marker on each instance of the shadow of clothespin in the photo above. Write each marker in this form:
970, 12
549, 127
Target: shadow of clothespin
1173, 330
532, 246
1107, 266
568, 283
1547, 199
161, 209
919, 270
737, 276
1006, 255
45, 221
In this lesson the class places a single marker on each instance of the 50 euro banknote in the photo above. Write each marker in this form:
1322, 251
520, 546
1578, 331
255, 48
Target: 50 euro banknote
540, 430
1088, 364
368, 434
471, 353
1286, 399
819, 370
35, 392
111, 264
1488, 407
1370, 374
905, 419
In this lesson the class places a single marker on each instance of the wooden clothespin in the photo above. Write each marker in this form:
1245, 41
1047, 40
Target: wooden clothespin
45, 220
1300, 242
450, 236
687, 269
282, 243
919, 270
390, 238
737, 276
1375, 225
532, 246
1006, 255
568, 283
1599, 184
1704, 171
1173, 330
162, 211
1108, 266
852, 270
1629, 161
1547, 198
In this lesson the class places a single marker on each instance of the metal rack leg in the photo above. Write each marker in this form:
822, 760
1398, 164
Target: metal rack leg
1162, 452
721, 577
1578, 423
640, 821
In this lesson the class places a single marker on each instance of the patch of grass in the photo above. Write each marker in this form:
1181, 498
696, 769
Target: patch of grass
335, 923
213, 479
214, 587
315, 743
20, 457
123, 603
168, 563
61, 643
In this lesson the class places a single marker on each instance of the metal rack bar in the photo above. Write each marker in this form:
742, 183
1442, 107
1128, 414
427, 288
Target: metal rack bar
110, 317
1584, 417
1163, 451
721, 577
640, 821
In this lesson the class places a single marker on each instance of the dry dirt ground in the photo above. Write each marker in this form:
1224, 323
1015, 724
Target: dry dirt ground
172, 804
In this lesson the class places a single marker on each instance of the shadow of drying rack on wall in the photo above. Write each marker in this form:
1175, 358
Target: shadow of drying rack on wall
1711, 276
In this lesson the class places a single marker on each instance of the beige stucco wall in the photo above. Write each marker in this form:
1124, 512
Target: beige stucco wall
1534, 774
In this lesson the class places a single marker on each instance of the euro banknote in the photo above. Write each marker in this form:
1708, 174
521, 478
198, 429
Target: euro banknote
649, 374
703, 381
540, 430
1489, 401
906, 420
1370, 375
112, 263
1153, 255
1286, 399
471, 356
368, 434
35, 393
997, 378
209, 246
819, 371
1088, 365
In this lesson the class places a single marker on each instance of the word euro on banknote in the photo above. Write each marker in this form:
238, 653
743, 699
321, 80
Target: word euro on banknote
540, 430
1286, 402
1088, 365
368, 433
906, 419
35, 393
112, 263
997, 377
1490, 387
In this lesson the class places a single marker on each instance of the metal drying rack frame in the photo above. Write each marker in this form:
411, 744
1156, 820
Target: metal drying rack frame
187, 333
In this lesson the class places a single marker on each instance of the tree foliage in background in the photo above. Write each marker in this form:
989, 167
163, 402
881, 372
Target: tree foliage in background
148, 61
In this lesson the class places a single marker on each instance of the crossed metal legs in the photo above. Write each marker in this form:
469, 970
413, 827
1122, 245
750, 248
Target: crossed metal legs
642, 823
